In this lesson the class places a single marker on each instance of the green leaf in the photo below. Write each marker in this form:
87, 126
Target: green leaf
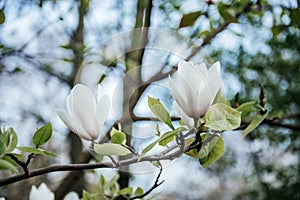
227, 13
216, 152
246, 108
11, 140
107, 149
36, 151
103, 76
166, 141
113, 185
295, 17
86, 195
160, 112
156, 164
276, 30
189, 19
254, 123
139, 191
48, 153
117, 137
4, 164
42, 135
163, 137
222, 117
209, 141
220, 98
2, 144
125, 191
203, 34
2, 16
66, 46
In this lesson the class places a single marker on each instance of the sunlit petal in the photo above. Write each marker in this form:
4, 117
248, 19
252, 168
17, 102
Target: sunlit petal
179, 98
42, 192
189, 122
102, 110
71, 123
84, 110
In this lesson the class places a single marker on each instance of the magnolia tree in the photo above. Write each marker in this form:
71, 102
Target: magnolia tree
203, 114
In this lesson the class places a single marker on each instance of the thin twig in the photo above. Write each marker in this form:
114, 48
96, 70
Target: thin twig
155, 185
22, 164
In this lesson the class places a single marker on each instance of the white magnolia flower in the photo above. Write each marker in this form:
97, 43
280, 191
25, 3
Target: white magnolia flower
194, 88
85, 115
71, 196
42, 192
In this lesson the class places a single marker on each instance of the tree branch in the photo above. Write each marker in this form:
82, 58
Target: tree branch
163, 155
54, 168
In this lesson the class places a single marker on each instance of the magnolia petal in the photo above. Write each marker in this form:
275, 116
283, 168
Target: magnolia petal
71, 196
69, 103
84, 110
202, 69
215, 69
102, 110
188, 71
189, 122
70, 122
197, 76
192, 74
42, 192
215, 86
99, 92
179, 98
207, 95
204, 101
189, 94
67, 119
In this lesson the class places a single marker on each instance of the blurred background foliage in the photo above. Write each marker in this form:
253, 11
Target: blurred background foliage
43, 43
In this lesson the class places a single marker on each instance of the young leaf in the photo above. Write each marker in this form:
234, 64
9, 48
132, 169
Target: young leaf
107, 149
246, 108
11, 140
102, 184
189, 19
139, 191
48, 153
254, 123
156, 164
160, 112
220, 98
113, 185
166, 141
2, 16
31, 150
209, 142
118, 138
227, 13
4, 164
125, 191
222, 117
42, 135
86, 195
163, 137
2, 144
216, 152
